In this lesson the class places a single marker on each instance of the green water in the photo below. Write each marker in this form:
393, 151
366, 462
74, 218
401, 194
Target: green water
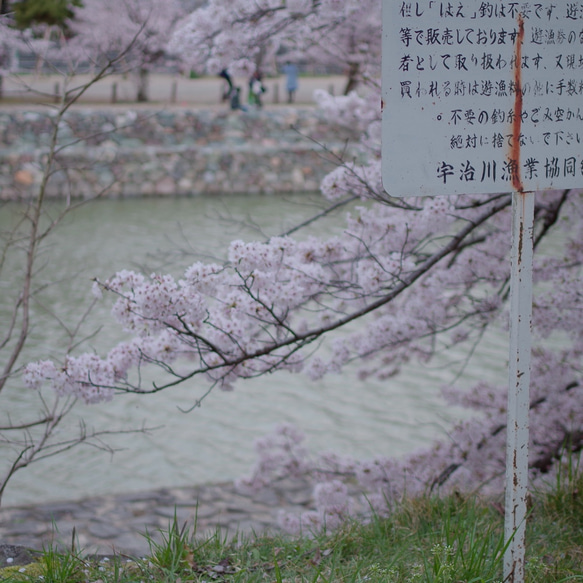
215, 442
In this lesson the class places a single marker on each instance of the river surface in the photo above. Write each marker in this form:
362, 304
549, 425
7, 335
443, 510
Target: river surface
213, 442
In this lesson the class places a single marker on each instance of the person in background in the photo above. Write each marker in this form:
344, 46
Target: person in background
235, 99
291, 72
256, 89
229, 88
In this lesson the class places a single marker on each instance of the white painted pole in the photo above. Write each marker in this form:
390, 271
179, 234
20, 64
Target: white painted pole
518, 387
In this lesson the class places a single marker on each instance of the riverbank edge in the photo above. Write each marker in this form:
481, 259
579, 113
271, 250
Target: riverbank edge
180, 152
116, 523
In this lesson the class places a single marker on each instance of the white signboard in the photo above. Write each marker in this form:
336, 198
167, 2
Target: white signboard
482, 97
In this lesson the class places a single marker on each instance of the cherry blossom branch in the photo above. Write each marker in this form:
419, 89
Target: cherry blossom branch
573, 439
34, 449
294, 340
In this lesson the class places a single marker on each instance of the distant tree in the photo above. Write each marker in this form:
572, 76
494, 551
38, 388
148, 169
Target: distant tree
241, 34
28, 13
107, 27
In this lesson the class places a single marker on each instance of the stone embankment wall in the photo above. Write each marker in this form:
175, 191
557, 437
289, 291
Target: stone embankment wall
125, 153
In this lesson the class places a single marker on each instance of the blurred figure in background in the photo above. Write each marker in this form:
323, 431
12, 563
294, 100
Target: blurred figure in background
290, 70
235, 99
229, 87
256, 89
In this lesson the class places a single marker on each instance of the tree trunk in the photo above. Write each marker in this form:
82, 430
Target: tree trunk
40, 57
4, 64
352, 81
143, 81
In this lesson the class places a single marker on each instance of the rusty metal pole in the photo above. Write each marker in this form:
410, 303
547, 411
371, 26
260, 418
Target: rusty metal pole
518, 386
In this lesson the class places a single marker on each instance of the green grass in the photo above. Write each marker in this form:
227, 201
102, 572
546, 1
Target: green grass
427, 540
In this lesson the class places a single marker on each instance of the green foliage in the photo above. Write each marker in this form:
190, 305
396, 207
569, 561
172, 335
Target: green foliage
52, 12
17, 574
173, 553
556, 529
61, 566
426, 540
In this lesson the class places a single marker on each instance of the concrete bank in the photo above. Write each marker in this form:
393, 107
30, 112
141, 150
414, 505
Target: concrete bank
127, 152
117, 523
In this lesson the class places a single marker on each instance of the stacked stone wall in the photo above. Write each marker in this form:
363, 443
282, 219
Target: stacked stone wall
165, 153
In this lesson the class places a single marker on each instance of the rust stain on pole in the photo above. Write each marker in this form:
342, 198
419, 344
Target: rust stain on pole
520, 239
514, 155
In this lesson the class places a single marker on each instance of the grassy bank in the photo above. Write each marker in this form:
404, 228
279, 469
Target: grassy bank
447, 540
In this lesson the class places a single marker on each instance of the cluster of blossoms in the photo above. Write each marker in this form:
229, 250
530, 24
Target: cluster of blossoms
233, 33
139, 28
470, 459
86, 375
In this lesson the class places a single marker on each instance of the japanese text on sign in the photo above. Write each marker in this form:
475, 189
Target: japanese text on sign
480, 97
